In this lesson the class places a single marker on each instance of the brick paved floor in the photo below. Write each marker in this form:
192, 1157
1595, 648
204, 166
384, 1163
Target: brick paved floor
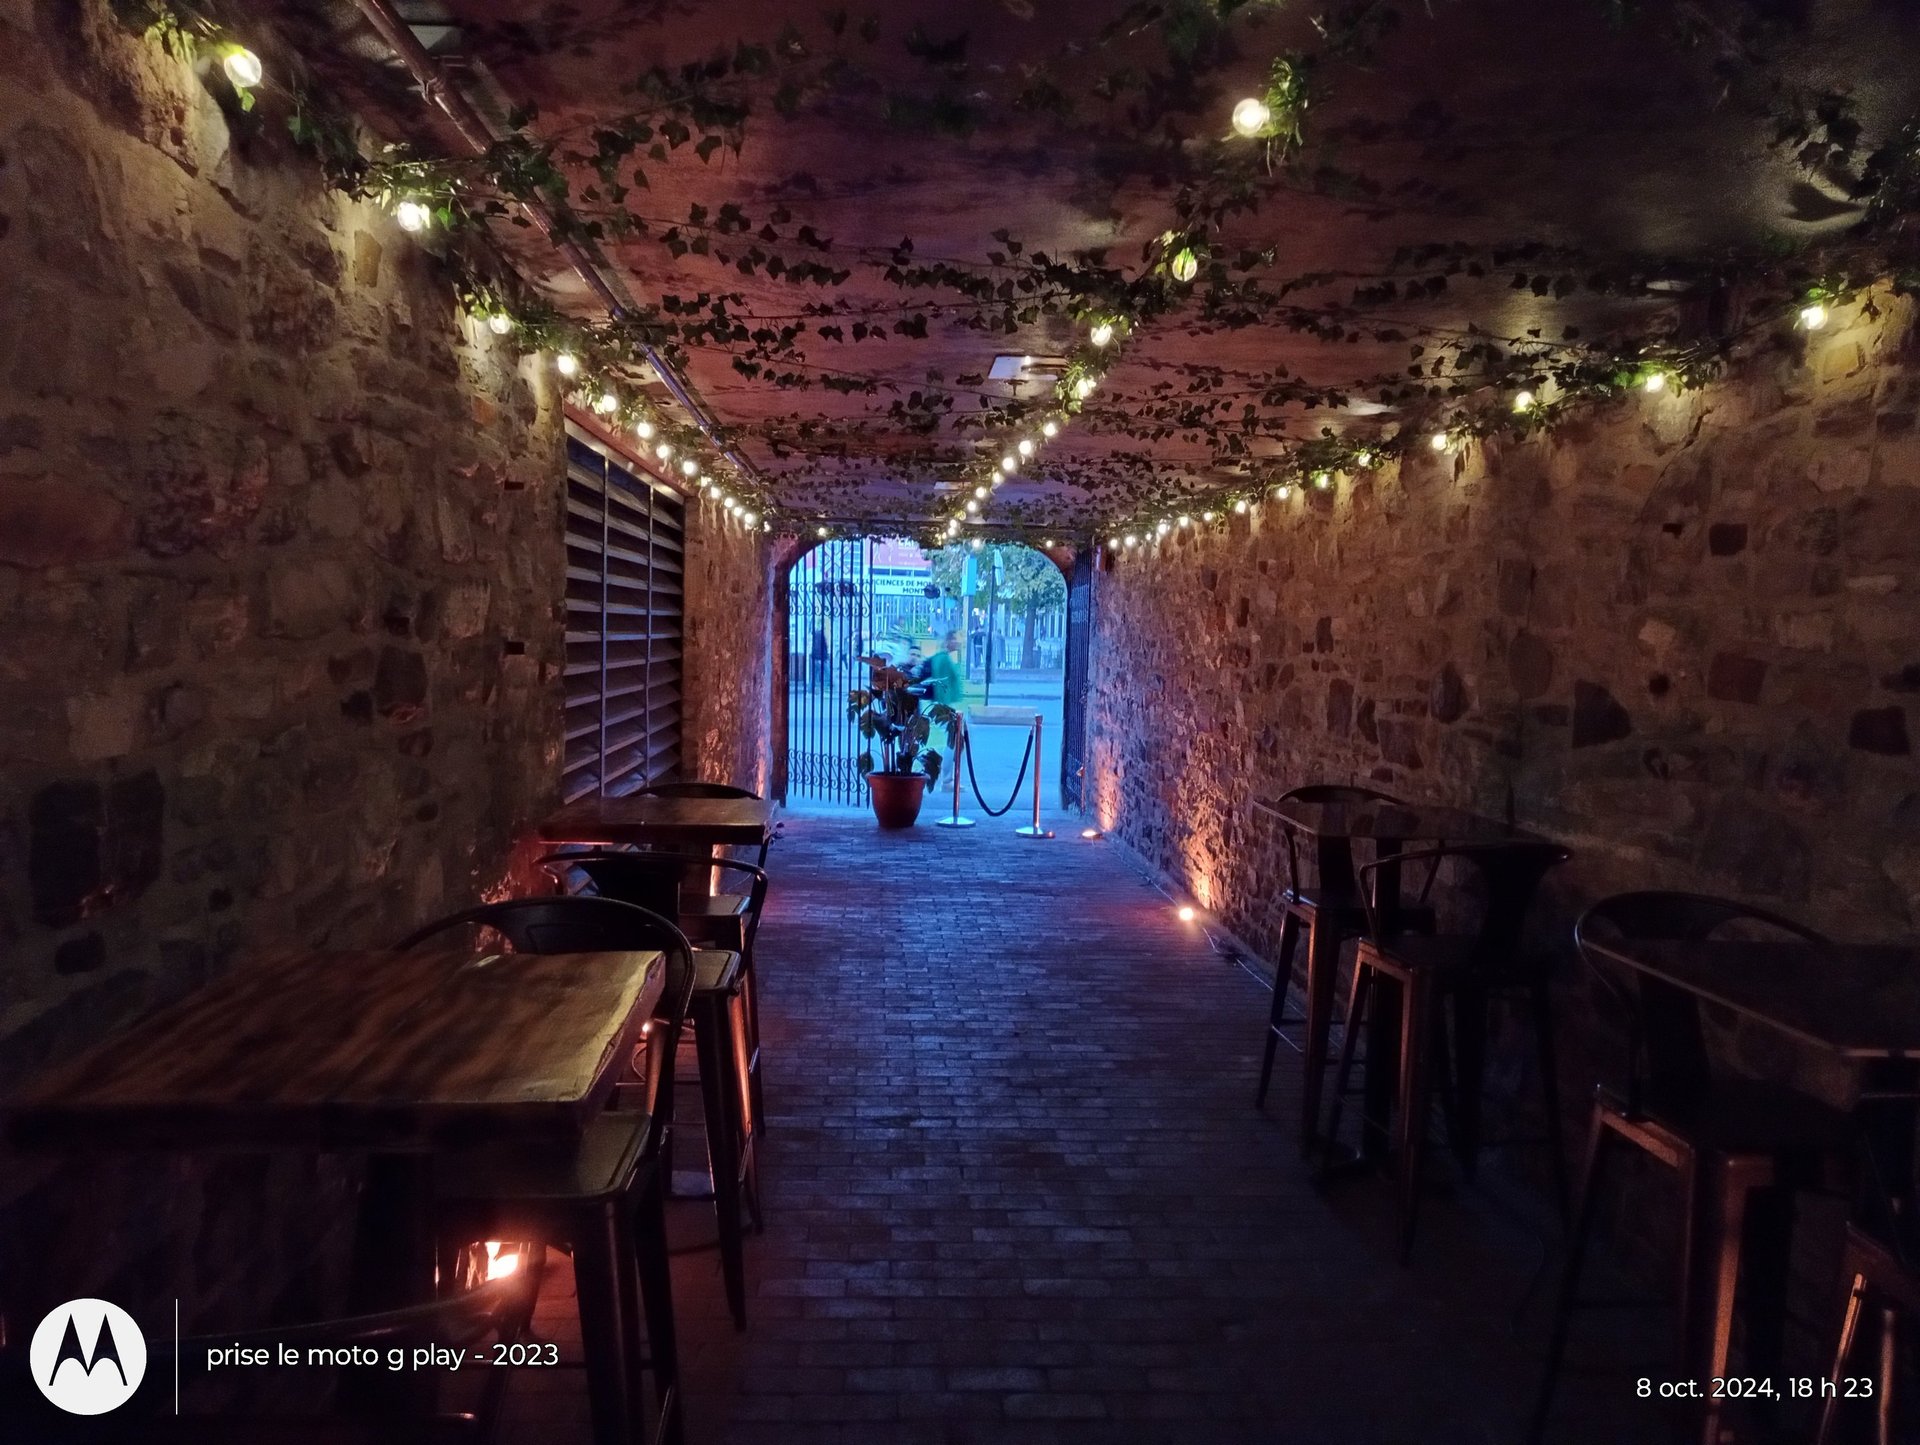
1018, 1193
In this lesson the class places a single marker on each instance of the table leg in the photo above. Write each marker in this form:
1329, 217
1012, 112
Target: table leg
1323, 969
393, 1258
1382, 1073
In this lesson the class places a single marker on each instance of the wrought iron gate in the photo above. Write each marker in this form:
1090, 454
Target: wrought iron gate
1073, 729
829, 623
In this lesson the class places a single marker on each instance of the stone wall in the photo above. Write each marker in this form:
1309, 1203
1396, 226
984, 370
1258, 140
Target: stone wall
729, 650
279, 554
1682, 635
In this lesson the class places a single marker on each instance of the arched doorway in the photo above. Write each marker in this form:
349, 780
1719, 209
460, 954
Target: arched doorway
1005, 604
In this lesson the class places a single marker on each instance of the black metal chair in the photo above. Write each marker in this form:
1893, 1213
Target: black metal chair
1876, 1275
1739, 1146
1463, 971
725, 1016
705, 790
1322, 904
600, 1194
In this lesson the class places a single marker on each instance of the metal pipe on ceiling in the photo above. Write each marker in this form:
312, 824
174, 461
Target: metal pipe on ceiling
473, 129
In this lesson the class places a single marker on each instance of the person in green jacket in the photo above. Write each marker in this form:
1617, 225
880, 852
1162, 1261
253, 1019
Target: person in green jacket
944, 680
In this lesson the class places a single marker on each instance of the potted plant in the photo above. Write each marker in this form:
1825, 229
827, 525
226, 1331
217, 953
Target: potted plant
889, 714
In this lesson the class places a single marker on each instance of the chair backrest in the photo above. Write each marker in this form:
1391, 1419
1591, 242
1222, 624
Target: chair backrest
595, 925
1314, 862
1509, 874
1666, 1049
653, 880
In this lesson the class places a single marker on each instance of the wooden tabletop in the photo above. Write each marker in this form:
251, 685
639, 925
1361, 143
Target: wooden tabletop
388, 1051
645, 818
1861, 1000
1393, 822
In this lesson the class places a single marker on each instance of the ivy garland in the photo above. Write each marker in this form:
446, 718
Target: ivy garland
591, 179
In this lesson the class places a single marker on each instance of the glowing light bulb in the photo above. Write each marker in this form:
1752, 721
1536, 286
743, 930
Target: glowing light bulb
707, 483
689, 467
607, 403
973, 508
1130, 539
976, 544
1186, 265
1009, 463
1083, 388
1363, 460
412, 216
980, 492
1813, 316
1102, 334
1185, 520
1050, 429
1438, 441
664, 451
952, 527
499, 323
643, 429
1656, 381
1251, 116
1323, 480
1283, 492
1187, 915
752, 519
1240, 506
819, 531
567, 364
1523, 402
1206, 516
1160, 530
242, 66
1025, 448
1048, 543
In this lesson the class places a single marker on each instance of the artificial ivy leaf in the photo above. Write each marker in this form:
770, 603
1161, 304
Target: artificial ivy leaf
708, 145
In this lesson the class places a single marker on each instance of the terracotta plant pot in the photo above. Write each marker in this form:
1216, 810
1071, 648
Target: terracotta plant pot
897, 797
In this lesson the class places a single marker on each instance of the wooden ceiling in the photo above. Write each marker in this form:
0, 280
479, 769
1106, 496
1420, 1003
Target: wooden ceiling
1482, 123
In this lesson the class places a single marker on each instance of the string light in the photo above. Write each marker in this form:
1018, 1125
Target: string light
689, 467
1363, 460
567, 364
412, 216
1102, 334
607, 403
1251, 116
750, 518
1025, 448
1655, 381
1283, 492
1523, 402
1240, 506
499, 323
976, 544
819, 531
981, 493
1050, 429
1186, 265
1130, 539
643, 429
973, 508
1009, 463
1323, 480
1161, 529
1185, 520
1439, 441
1186, 913
243, 68
664, 451
1083, 388
1813, 316
1206, 516
1048, 544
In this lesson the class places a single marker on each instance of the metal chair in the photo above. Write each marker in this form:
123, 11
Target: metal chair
1466, 971
725, 1018
705, 790
600, 1194
1321, 902
1740, 1147
1874, 1273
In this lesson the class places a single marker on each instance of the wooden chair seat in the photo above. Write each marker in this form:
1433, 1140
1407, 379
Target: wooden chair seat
716, 971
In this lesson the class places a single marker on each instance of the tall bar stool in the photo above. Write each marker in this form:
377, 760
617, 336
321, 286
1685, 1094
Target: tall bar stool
705, 790
601, 1194
1875, 1274
1465, 971
1740, 1147
1321, 903
724, 1017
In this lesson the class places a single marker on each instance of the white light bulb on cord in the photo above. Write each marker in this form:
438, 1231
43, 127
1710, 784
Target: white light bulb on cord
567, 364
412, 216
1083, 388
1813, 316
1186, 265
643, 429
689, 467
1656, 381
1025, 448
1240, 506
980, 492
1102, 334
1251, 116
1523, 402
242, 66
1050, 429
1439, 441
1283, 492
973, 508
664, 451
607, 404
1323, 480
499, 323
1009, 464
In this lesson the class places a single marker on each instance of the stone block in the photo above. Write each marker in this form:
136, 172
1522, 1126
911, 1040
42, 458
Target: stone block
400, 685
1598, 716
59, 523
102, 725
1880, 730
305, 602
1733, 678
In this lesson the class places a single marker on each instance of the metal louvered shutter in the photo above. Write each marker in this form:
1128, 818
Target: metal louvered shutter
625, 548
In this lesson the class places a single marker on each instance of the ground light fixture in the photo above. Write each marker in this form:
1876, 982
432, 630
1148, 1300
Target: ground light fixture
1091, 833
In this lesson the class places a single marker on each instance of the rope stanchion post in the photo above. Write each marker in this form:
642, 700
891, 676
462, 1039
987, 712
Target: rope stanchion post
1035, 831
960, 748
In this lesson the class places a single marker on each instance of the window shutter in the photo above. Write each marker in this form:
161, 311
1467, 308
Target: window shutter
626, 536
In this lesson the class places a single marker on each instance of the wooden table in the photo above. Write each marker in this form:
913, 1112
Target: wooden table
1391, 827
1859, 1001
391, 1053
644, 818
